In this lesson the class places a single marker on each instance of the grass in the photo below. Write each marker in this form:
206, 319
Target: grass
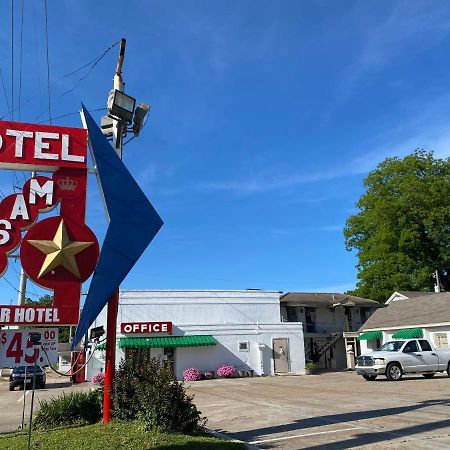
116, 435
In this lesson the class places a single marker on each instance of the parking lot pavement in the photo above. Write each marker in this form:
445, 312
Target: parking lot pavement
329, 411
12, 402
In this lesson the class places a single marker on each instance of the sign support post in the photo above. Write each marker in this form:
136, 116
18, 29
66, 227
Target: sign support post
113, 303
110, 355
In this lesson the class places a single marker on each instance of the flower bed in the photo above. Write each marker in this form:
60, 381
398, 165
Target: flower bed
226, 371
98, 378
192, 374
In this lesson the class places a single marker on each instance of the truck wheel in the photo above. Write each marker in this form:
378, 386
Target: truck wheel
369, 377
428, 375
394, 372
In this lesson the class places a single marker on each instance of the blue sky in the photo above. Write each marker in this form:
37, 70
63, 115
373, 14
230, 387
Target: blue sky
266, 116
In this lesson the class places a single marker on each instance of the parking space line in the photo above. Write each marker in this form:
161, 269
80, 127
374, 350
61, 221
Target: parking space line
263, 441
21, 398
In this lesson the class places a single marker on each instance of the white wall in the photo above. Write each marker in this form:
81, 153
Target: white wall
183, 307
230, 316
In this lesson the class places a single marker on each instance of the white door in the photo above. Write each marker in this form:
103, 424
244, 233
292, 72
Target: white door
281, 355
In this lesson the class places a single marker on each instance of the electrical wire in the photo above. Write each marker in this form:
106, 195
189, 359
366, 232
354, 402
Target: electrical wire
67, 374
21, 57
48, 62
12, 59
6, 96
37, 53
94, 61
71, 114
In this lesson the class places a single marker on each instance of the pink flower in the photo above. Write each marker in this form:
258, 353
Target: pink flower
226, 371
191, 374
98, 378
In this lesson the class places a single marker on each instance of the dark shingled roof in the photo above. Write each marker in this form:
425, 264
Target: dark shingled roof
313, 299
427, 309
414, 294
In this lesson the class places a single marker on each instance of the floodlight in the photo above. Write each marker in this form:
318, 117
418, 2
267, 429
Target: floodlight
140, 115
122, 106
97, 333
107, 125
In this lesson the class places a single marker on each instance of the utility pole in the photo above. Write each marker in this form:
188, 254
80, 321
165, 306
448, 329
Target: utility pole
23, 277
113, 303
437, 286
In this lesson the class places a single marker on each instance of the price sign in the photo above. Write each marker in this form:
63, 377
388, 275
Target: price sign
17, 350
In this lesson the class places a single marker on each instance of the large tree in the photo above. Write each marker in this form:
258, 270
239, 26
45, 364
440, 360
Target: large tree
402, 231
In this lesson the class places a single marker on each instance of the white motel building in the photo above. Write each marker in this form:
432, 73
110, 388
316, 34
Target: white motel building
205, 329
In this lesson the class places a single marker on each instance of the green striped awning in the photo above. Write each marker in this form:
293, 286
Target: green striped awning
408, 333
102, 346
167, 341
370, 335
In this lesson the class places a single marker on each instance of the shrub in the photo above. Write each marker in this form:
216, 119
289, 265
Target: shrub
76, 408
311, 367
226, 371
98, 378
144, 389
191, 374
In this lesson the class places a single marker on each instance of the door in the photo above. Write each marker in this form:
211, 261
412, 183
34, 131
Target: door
281, 355
430, 359
412, 358
310, 319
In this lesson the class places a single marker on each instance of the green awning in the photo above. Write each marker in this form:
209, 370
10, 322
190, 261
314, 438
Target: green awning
370, 335
101, 346
408, 333
167, 341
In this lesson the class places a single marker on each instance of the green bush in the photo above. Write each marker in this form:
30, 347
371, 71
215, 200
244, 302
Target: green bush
144, 389
76, 408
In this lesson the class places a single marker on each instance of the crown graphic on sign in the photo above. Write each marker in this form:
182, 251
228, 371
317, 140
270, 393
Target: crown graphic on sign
67, 184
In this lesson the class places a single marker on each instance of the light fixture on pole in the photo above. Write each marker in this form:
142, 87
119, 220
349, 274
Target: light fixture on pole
140, 117
122, 106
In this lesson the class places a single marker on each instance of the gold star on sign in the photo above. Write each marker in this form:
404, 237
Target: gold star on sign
60, 251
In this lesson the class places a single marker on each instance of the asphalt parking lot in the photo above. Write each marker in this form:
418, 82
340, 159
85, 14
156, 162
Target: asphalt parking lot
329, 411
335, 410
12, 402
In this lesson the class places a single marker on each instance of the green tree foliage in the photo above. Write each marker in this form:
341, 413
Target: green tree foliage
47, 300
402, 230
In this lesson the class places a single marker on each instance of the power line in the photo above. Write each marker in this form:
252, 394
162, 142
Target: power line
93, 62
4, 92
71, 114
12, 59
48, 61
21, 55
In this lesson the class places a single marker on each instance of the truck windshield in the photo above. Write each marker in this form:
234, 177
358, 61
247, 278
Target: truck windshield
391, 346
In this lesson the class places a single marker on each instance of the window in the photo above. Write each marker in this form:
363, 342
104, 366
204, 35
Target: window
440, 340
292, 314
310, 318
364, 314
243, 346
411, 347
426, 347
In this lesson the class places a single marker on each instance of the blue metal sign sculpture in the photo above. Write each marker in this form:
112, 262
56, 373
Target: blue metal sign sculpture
131, 215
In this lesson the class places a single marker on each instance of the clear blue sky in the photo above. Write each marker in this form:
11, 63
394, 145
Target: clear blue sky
266, 116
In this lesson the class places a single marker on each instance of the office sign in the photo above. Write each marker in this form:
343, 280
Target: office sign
145, 327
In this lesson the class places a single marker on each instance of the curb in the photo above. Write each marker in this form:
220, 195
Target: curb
225, 437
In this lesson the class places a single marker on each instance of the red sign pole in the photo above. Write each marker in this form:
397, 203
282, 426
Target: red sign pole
110, 356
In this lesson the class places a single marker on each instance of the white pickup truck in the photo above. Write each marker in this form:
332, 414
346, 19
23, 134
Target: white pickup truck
395, 358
